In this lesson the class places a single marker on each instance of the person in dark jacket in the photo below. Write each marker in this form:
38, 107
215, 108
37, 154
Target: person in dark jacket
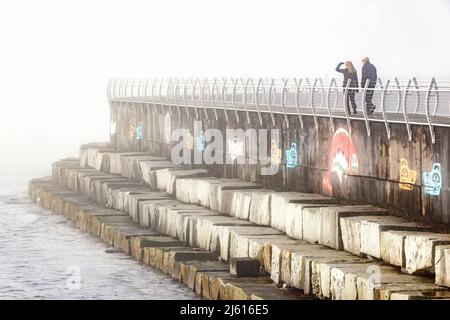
369, 72
349, 74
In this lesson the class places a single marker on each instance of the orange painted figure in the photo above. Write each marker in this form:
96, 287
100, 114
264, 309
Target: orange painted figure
342, 160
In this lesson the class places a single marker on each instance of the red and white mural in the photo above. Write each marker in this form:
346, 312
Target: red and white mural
342, 160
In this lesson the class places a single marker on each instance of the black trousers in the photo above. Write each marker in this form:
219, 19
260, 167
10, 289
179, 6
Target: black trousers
351, 100
369, 94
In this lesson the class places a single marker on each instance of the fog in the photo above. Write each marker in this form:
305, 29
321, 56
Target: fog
56, 56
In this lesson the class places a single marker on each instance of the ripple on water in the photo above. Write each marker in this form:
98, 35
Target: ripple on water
43, 256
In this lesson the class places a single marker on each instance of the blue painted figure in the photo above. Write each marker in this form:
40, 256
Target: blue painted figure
139, 130
200, 142
433, 180
291, 156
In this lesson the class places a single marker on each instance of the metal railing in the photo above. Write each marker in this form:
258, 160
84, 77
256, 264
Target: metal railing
411, 103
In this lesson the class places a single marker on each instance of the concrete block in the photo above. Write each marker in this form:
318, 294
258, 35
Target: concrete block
420, 250
442, 265
244, 267
148, 170
260, 207
371, 229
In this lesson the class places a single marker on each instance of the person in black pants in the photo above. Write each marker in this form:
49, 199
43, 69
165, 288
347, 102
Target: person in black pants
369, 72
349, 73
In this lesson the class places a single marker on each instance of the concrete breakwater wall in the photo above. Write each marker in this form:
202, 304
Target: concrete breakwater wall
408, 176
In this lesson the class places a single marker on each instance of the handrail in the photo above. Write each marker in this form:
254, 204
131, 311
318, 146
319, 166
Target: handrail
285, 97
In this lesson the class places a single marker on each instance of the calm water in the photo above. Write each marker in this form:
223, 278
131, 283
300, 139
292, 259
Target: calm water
42, 256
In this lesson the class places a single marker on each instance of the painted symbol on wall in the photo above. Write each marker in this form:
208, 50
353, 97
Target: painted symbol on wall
168, 128
236, 148
433, 180
200, 142
112, 128
342, 161
131, 130
139, 131
189, 140
291, 156
407, 176
275, 153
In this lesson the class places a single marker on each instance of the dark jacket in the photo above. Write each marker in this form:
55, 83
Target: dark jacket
348, 75
369, 72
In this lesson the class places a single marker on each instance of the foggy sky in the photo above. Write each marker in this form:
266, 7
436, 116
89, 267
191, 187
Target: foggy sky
55, 56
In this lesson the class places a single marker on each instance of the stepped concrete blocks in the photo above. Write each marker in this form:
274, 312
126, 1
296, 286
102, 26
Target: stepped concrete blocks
229, 238
427, 287
260, 207
115, 160
130, 165
372, 227
311, 224
281, 262
419, 295
166, 178
148, 170
256, 246
442, 265
191, 190
135, 199
218, 196
351, 234
343, 280
420, 248
330, 233
280, 203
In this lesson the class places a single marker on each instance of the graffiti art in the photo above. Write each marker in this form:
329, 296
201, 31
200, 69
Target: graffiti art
131, 130
236, 148
343, 159
189, 141
275, 153
432, 180
291, 156
139, 131
200, 142
407, 176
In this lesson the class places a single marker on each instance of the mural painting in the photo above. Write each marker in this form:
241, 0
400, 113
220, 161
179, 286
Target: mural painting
235, 148
200, 142
407, 176
291, 156
131, 130
275, 153
189, 141
342, 161
139, 131
432, 180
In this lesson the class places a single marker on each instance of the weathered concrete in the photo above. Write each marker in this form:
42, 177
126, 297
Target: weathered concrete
244, 267
442, 265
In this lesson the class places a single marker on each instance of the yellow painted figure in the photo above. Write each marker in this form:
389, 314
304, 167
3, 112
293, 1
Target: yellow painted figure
407, 176
275, 153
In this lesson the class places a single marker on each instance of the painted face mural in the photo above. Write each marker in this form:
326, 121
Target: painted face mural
131, 130
275, 153
291, 156
189, 141
236, 148
200, 142
433, 180
139, 131
343, 159
407, 176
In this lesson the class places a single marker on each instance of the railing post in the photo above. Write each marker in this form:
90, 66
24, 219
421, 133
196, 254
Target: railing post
283, 101
194, 87
233, 99
203, 97
223, 98
177, 90
272, 82
245, 98
297, 101
347, 116
167, 96
312, 89
257, 101
416, 85
184, 99
382, 107
213, 99
364, 106
405, 112
427, 109
160, 95
332, 83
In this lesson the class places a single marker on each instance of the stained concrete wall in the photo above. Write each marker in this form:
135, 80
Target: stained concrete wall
376, 165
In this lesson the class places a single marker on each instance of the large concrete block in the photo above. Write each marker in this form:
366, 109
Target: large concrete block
280, 202
148, 170
166, 178
244, 267
256, 245
442, 265
135, 199
217, 195
330, 233
260, 207
372, 227
420, 248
